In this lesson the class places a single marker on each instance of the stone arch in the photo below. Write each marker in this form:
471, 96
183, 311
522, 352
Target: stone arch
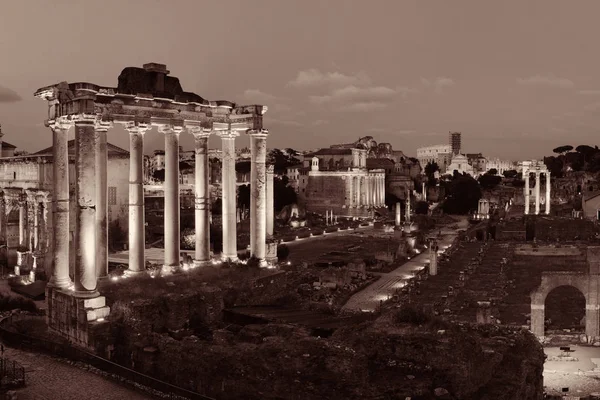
550, 281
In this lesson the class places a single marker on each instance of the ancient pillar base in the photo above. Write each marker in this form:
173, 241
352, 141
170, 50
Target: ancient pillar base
80, 320
202, 263
230, 258
131, 273
85, 294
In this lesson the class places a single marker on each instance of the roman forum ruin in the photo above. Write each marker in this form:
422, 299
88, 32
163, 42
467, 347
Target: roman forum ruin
144, 98
537, 167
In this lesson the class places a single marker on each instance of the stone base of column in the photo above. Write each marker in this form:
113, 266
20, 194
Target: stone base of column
85, 294
202, 263
66, 284
225, 258
80, 320
131, 273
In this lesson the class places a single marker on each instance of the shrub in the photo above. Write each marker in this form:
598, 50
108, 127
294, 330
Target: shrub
411, 315
253, 262
8, 303
283, 252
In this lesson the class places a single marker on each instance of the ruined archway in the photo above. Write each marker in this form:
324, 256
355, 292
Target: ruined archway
585, 283
564, 309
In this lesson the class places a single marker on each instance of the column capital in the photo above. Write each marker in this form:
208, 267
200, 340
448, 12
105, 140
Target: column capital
170, 129
84, 119
103, 126
198, 131
270, 169
137, 127
59, 124
228, 134
258, 132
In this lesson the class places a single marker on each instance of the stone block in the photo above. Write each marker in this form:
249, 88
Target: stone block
96, 302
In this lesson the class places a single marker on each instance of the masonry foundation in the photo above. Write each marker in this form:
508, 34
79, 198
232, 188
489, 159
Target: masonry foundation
79, 320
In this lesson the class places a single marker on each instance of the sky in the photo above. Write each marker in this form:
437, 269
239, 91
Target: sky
517, 78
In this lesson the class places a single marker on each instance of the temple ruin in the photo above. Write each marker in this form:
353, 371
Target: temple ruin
144, 98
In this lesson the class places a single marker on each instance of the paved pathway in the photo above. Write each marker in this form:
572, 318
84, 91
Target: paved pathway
157, 255
50, 379
369, 298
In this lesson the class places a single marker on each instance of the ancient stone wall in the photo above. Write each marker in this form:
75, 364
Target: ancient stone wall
326, 193
559, 230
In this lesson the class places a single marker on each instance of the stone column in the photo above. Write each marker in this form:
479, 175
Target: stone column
229, 191
60, 206
36, 224
101, 199
270, 200
526, 192
171, 190
85, 193
537, 192
258, 195
3, 219
398, 220
364, 189
537, 319
548, 188
201, 197
407, 211
23, 222
357, 190
424, 192
433, 256
137, 226
383, 190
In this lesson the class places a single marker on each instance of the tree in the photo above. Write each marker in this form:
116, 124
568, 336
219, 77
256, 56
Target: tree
463, 195
511, 173
489, 181
159, 175
421, 208
555, 166
243, 197
431, 167
283, 193
562, 149
281, 161
492, 171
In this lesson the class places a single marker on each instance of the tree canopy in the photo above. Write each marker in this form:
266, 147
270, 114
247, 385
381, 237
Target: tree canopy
282, 160
562, 149
511, 173
463, 195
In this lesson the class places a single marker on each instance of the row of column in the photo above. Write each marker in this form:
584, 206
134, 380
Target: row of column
537, 191
33, 219
367, 191
91, 191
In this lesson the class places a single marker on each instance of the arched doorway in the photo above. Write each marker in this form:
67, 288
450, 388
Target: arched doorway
564, 309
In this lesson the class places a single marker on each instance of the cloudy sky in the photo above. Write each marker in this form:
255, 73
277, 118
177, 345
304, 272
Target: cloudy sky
517, 78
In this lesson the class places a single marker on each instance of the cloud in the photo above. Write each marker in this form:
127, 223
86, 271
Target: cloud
355, 94
285, 122
8, 95
406, 131
546, 80
589, 92
405, 91
320, 122
314, 77
362, 106
438, 84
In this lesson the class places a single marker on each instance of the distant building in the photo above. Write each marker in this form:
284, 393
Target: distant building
500, 165
339, 180
455, 142
460, 164
441, 154
478, 162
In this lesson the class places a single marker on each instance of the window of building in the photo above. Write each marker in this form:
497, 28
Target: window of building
15, 175
112, 195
